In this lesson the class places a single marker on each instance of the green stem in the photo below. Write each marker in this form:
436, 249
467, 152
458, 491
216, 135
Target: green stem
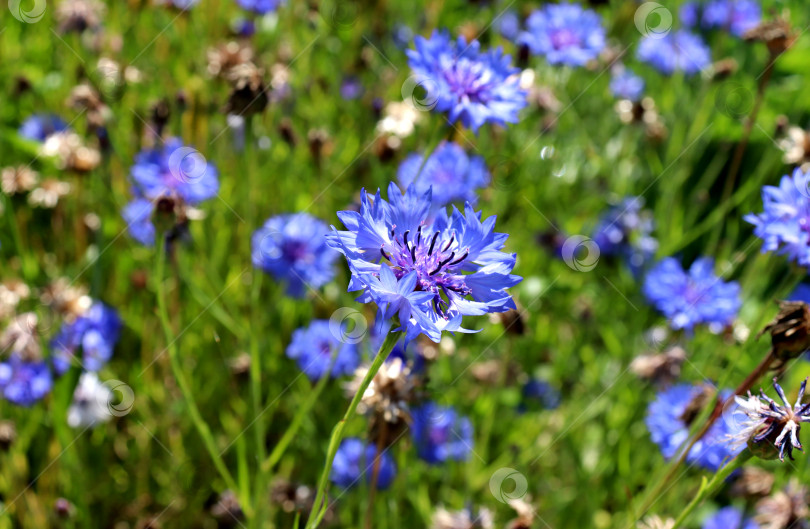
319, 507
707, 490
292, 430
182, 381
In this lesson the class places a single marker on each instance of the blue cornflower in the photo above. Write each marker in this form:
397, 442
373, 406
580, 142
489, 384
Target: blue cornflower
689, 14
737, 16
540, 391
627, 85
261, 7
174, 173
784, 225
351, 88
694, 297
23, 382
316, 348
676, 51
439, 434
669, 418
40, 126
354, 460
625, 230
729, 518
472, 86
454, 175
564, 33
293, 248
453, 263
95, 332
508, 24
800, 293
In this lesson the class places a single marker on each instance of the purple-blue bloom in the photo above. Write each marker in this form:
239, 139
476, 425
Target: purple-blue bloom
24, 382
354, 460
316, 349
471, 86
261, 7
627, 85
454, 175
173, 171
694, 297
351, 88
95, 332
784, 225
689, 13
676, 51
508, 24
729, 518
40, 126
293, 248
564, 33
440, 434
430, 269
625, 230
539, 391
737, 16
668, 420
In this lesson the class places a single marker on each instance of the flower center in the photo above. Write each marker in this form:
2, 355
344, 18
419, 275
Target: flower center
564, 38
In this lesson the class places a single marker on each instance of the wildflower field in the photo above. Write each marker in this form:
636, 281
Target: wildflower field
444, 264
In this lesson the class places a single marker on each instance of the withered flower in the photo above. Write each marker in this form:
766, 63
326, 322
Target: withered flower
8, 434
248, 94
70, 152
21, 337
463, 519
14, 180
662, 368
752, 482
387, 399
48, 193
79, 15
785, 509
227, 510
789, 330
70, 301
776, 34
227, 56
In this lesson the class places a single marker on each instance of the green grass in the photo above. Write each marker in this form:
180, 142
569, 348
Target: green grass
587, 463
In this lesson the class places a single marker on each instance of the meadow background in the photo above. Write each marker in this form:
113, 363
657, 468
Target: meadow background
587, 462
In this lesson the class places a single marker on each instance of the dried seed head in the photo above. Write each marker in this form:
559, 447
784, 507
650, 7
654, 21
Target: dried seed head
789, 330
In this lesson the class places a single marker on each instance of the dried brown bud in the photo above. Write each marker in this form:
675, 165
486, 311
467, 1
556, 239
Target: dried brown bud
784, 509
724, 68
752, 482
227, 510
8, 434
663, 368
789, 330
248, 95
18, 179
776, 34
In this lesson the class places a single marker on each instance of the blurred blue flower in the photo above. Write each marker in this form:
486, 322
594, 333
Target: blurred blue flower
694, 297
184, 4
173, 171
729, 518
472, 86
23, 382
669, 418
676, 51
627, 85
351, 88
508, 24
261, 7
316, 348
402, 36
40, 126
437, 270
293, 248
784, 225
625, 230
564, 33
95, 332
354, 460
737, 16
800, 293
440, 434
452, 173
536, 390
689, 14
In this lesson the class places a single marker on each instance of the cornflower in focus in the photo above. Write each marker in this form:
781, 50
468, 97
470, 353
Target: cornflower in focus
471, 86
427, 271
